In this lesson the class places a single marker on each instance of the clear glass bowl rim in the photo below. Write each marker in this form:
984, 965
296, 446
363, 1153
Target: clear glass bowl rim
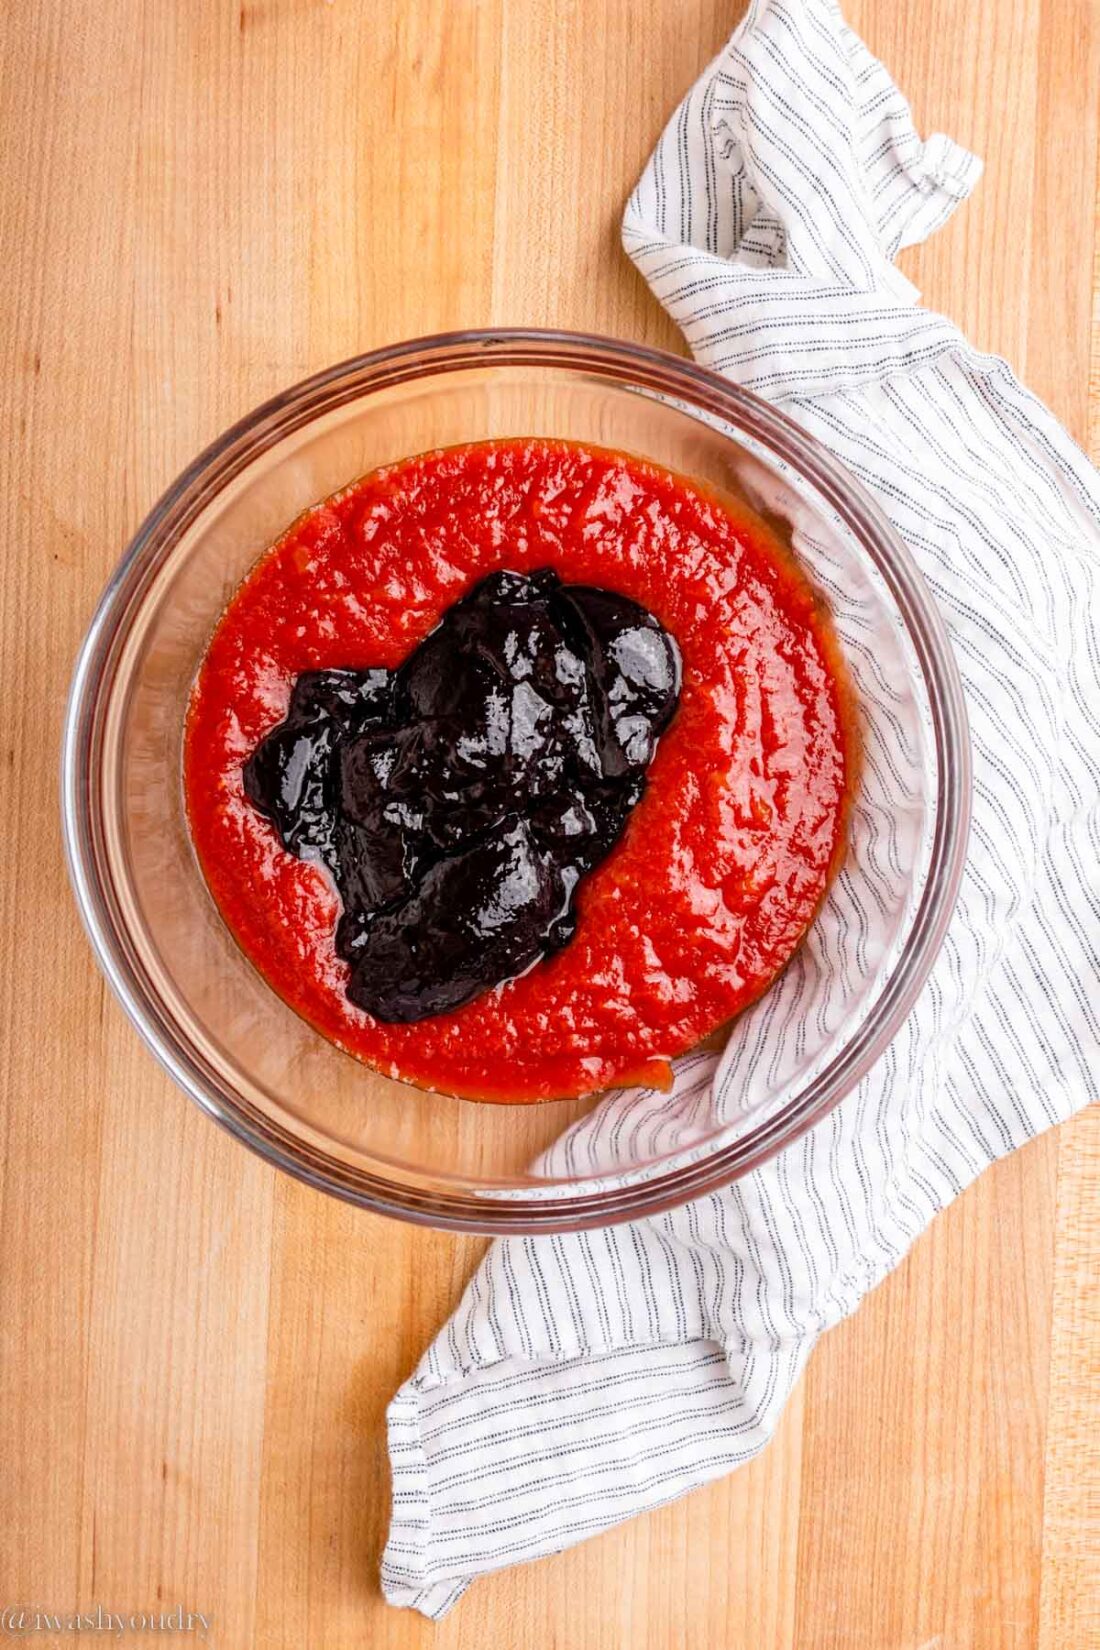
420, 1199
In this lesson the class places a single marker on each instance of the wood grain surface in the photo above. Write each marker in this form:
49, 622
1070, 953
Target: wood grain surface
201, 201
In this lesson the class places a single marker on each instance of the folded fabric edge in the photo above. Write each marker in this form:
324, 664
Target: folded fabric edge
736, 1377
949, 166
945, 175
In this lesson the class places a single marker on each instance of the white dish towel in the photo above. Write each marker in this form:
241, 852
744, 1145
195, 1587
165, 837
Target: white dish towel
586, 1378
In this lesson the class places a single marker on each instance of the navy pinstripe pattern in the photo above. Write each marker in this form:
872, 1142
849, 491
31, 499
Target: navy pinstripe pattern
586, 1378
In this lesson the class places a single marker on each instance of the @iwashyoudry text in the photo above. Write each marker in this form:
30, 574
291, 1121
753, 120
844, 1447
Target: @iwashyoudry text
25, 1620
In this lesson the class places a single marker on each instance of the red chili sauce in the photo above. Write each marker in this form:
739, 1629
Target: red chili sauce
723, 862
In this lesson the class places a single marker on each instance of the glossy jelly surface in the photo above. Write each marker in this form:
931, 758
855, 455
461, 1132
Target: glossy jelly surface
459, 801
717, 869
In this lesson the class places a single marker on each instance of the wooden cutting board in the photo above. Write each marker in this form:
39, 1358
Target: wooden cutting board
202, 201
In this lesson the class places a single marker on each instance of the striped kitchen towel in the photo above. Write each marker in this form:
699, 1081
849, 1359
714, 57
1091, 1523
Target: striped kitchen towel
585, 1378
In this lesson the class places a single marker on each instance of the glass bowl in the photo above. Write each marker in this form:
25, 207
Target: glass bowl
261, 1071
